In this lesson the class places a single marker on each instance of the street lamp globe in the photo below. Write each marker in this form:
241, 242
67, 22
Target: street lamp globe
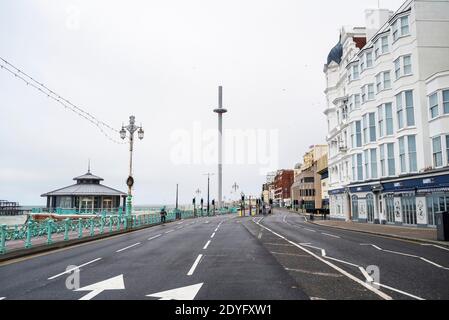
123, 133
140, 133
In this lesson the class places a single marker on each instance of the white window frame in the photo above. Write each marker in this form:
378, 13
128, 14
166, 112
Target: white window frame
399, 29
435, 153
381, 120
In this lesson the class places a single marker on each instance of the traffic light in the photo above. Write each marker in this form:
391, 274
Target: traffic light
202, 201
194, 201
213, 202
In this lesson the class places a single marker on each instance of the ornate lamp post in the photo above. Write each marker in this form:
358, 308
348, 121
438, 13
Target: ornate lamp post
131, 128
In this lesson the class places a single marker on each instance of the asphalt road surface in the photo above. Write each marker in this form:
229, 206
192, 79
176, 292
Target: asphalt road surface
278, 257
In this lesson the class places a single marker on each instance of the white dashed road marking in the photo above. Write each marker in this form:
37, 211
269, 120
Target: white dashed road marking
129, 247
75, 268
207, 244
330, 235
407, 255
152, 238
195, 264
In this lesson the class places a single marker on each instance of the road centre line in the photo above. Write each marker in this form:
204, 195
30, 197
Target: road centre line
152, 238
195, 264
350, 276
311, 230
75, 268
169, 231
128, 247
207, 244
213, 235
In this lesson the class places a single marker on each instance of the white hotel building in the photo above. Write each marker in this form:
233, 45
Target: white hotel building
388, 116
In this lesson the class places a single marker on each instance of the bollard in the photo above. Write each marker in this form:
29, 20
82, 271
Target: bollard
92, 230
66, 229
3, 238
49, 231
80, 228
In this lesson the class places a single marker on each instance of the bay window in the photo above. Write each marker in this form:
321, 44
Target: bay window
433, 104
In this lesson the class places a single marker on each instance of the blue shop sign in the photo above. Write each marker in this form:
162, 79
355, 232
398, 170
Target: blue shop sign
417, 184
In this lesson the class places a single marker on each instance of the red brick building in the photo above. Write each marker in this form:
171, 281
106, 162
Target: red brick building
282, 187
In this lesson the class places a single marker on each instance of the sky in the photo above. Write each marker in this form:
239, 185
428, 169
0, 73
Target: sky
162, 61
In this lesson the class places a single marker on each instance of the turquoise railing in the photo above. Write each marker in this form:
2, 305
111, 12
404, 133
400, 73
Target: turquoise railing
50, 230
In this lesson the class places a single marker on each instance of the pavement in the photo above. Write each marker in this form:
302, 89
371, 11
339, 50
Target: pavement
418, 234
277, 257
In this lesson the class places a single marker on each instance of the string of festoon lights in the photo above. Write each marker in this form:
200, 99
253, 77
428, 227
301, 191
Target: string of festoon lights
40, 87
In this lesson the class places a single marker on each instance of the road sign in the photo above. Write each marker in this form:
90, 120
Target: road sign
130, 181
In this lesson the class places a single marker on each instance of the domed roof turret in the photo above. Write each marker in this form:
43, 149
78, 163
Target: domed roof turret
335, 54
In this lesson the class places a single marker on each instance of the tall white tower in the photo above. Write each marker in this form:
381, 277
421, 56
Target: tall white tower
220, 112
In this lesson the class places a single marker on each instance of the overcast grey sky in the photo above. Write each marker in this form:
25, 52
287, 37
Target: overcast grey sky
161, 61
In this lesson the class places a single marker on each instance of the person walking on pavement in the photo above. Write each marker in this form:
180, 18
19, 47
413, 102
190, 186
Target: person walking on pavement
163, 214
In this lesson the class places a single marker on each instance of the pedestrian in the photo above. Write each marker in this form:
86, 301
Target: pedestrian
163, 214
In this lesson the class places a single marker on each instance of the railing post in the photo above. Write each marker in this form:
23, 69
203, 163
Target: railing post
66, 229
2, 238
110, 223
49, 231
28, 236
92, 231
102, 225
80, 228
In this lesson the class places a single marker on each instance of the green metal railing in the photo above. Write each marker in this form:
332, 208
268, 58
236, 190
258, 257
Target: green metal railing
71, 228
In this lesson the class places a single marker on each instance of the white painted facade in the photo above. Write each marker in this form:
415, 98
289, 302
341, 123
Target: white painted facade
381, 127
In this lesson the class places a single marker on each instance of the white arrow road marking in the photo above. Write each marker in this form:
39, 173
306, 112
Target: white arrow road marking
128, 247
115, 283
75, 268
184, 293
195, 264
155, 237
2, 298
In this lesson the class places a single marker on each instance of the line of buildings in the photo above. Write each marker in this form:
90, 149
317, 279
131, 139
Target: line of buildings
387, 91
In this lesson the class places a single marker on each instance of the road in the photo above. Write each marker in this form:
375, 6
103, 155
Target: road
279, 257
